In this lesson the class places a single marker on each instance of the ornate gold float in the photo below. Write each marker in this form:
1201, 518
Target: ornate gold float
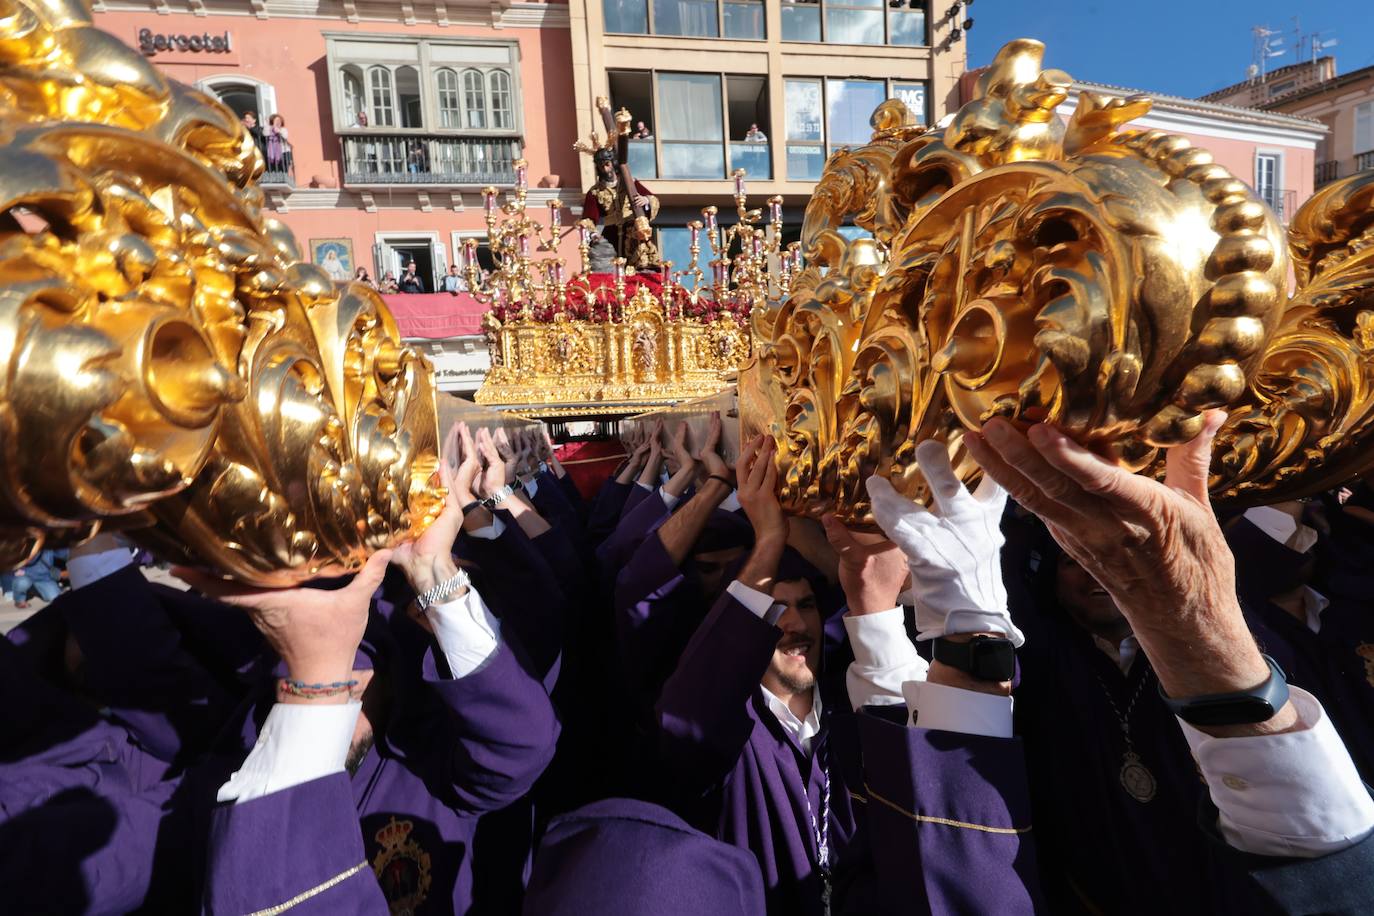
168, 362
1117, 282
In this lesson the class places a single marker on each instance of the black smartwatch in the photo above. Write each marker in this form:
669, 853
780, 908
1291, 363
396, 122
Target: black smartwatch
987, 658
1241, 708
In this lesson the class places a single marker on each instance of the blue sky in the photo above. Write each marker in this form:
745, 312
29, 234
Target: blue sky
1175, 47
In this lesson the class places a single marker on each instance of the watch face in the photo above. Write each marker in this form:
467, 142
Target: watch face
993, 659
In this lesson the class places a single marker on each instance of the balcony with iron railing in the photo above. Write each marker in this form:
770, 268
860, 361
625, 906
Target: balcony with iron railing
371, 159
1283, 202
1364, 162
1327, 172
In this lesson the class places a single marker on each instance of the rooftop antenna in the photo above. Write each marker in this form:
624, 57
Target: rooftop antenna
1268, 45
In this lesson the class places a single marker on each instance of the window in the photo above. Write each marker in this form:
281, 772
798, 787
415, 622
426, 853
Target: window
823, 115
502, 116
695, 18
913, 95
475, 98
628, 16
383, 107
855, 22
355, 103
690, 127
425, 85
1266, 174
746, 99
1364, 128
743, 19
408, 97
805, 133
450, 104
848, 106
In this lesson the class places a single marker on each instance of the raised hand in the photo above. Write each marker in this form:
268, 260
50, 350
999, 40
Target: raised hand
711, 461
496, 472
1154, 546
756, 482
954, 551
428, 560
316, 632
872, 569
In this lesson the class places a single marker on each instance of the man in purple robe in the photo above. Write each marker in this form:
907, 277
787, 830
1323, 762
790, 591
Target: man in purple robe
756, 751
422, 737
1286, 806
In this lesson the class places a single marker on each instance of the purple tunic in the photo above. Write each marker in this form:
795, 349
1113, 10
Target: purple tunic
458, 749
730, 767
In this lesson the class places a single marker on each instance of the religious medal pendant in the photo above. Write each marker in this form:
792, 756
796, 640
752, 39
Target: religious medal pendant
825, 893
1136, 778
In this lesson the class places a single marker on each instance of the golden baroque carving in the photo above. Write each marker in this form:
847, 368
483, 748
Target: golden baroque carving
1117, 282
168, 362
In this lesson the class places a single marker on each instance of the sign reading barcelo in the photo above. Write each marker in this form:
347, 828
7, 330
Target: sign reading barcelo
150, 42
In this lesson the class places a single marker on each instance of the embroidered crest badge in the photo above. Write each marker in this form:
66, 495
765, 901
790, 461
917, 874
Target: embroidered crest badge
402, 868
1366, 651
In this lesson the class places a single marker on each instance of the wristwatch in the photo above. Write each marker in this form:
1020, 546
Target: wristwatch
441, 592
987, 658
499, 496
1244, 707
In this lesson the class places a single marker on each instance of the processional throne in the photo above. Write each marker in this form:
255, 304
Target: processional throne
170, 366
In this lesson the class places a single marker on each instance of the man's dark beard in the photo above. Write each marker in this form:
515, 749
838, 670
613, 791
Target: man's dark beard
357, 753
797, 683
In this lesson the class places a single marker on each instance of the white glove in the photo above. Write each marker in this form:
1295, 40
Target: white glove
954, 552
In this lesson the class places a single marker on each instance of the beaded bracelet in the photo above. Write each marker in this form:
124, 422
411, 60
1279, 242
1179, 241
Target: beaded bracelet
313, 691
724, 480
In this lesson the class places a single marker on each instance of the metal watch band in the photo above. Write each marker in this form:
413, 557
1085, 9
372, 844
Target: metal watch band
499, 496
443, 590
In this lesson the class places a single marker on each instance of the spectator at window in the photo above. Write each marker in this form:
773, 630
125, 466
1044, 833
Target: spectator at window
278, 145
416, 160
642, 132
389, 284
410, 281
454, 282
754, 135
362, 119
250, 124
362, 276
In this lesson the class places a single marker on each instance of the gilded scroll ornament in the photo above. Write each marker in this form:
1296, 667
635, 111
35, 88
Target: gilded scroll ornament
168, 363
1115, 281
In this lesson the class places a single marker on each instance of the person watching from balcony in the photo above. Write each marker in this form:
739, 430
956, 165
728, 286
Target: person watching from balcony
410, 282
389, 284
362, 276
754, 135
278, 145
642, 132
250, 124
454, 282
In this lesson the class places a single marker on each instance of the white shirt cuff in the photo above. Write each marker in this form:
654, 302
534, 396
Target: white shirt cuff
884, 659
531, 487
491, 532
951, 709
760, 604
669, 500
643, 486
297, 743
92, 567
467, 633
1292, 794
731, 502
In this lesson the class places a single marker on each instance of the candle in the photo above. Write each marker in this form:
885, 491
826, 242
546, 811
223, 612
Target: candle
758, 244
710, 213
489, 200
524, 245
555, 216
619, 270
558, 271
739, 182
521, 174
695, 228
470, 253
775, 209
719, 272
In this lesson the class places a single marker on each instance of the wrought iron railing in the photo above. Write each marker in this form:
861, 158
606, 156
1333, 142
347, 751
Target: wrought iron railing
382, 159
1282, 201
1327, 171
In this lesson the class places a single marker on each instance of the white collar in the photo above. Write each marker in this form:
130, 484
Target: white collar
1313, 603
1123, 654
804, 731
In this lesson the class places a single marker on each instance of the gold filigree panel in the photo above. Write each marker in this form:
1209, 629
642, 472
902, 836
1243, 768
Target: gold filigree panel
1117, 282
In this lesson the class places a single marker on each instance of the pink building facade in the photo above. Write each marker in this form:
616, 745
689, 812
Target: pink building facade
397, 114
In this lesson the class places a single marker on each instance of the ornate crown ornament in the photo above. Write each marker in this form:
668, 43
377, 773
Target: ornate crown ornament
168, 363
1117, 282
